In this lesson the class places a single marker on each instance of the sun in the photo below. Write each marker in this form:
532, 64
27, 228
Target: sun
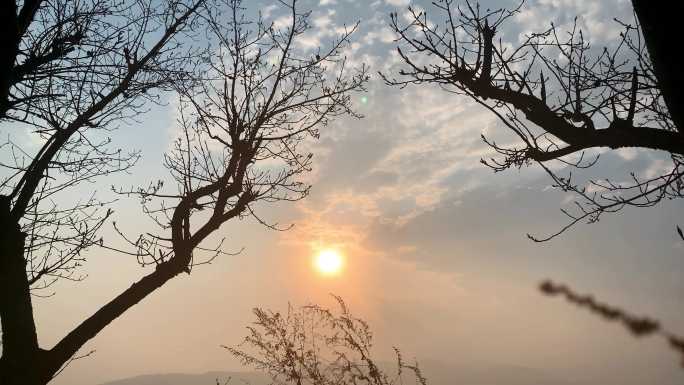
328, 262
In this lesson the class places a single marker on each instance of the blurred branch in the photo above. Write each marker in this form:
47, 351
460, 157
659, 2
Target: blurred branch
638, 326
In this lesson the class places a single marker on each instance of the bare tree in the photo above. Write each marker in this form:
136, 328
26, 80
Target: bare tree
559, 96
318, 346
71, 72
82, 67
562, 98
243, 130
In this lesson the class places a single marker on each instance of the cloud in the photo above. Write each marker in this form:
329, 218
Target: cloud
398, 3
595, 18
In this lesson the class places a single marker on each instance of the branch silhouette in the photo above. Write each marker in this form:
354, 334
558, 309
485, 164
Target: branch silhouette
71, 71
78, 70
560, 97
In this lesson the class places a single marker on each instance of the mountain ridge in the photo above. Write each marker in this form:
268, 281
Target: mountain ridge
436, 374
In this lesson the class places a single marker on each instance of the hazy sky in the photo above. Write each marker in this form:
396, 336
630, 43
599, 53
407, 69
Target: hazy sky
436, 257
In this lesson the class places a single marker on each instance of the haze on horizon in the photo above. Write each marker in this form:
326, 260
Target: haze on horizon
432, 245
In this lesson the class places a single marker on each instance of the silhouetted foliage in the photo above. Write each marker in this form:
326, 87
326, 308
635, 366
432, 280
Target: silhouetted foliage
638, 326
559, 96
318, 346
77, 69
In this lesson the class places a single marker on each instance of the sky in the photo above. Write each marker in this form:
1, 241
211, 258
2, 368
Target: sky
436, 257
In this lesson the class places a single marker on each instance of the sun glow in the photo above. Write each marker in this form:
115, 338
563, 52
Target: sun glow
328, 262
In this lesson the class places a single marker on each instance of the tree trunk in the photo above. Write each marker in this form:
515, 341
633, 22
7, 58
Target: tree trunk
22, 361
8, 46
20, 351
661, 27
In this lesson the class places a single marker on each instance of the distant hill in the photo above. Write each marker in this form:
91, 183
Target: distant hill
436, 373
209, 378
439, 373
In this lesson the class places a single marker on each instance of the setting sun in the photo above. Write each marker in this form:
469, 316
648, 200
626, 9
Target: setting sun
328, 262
